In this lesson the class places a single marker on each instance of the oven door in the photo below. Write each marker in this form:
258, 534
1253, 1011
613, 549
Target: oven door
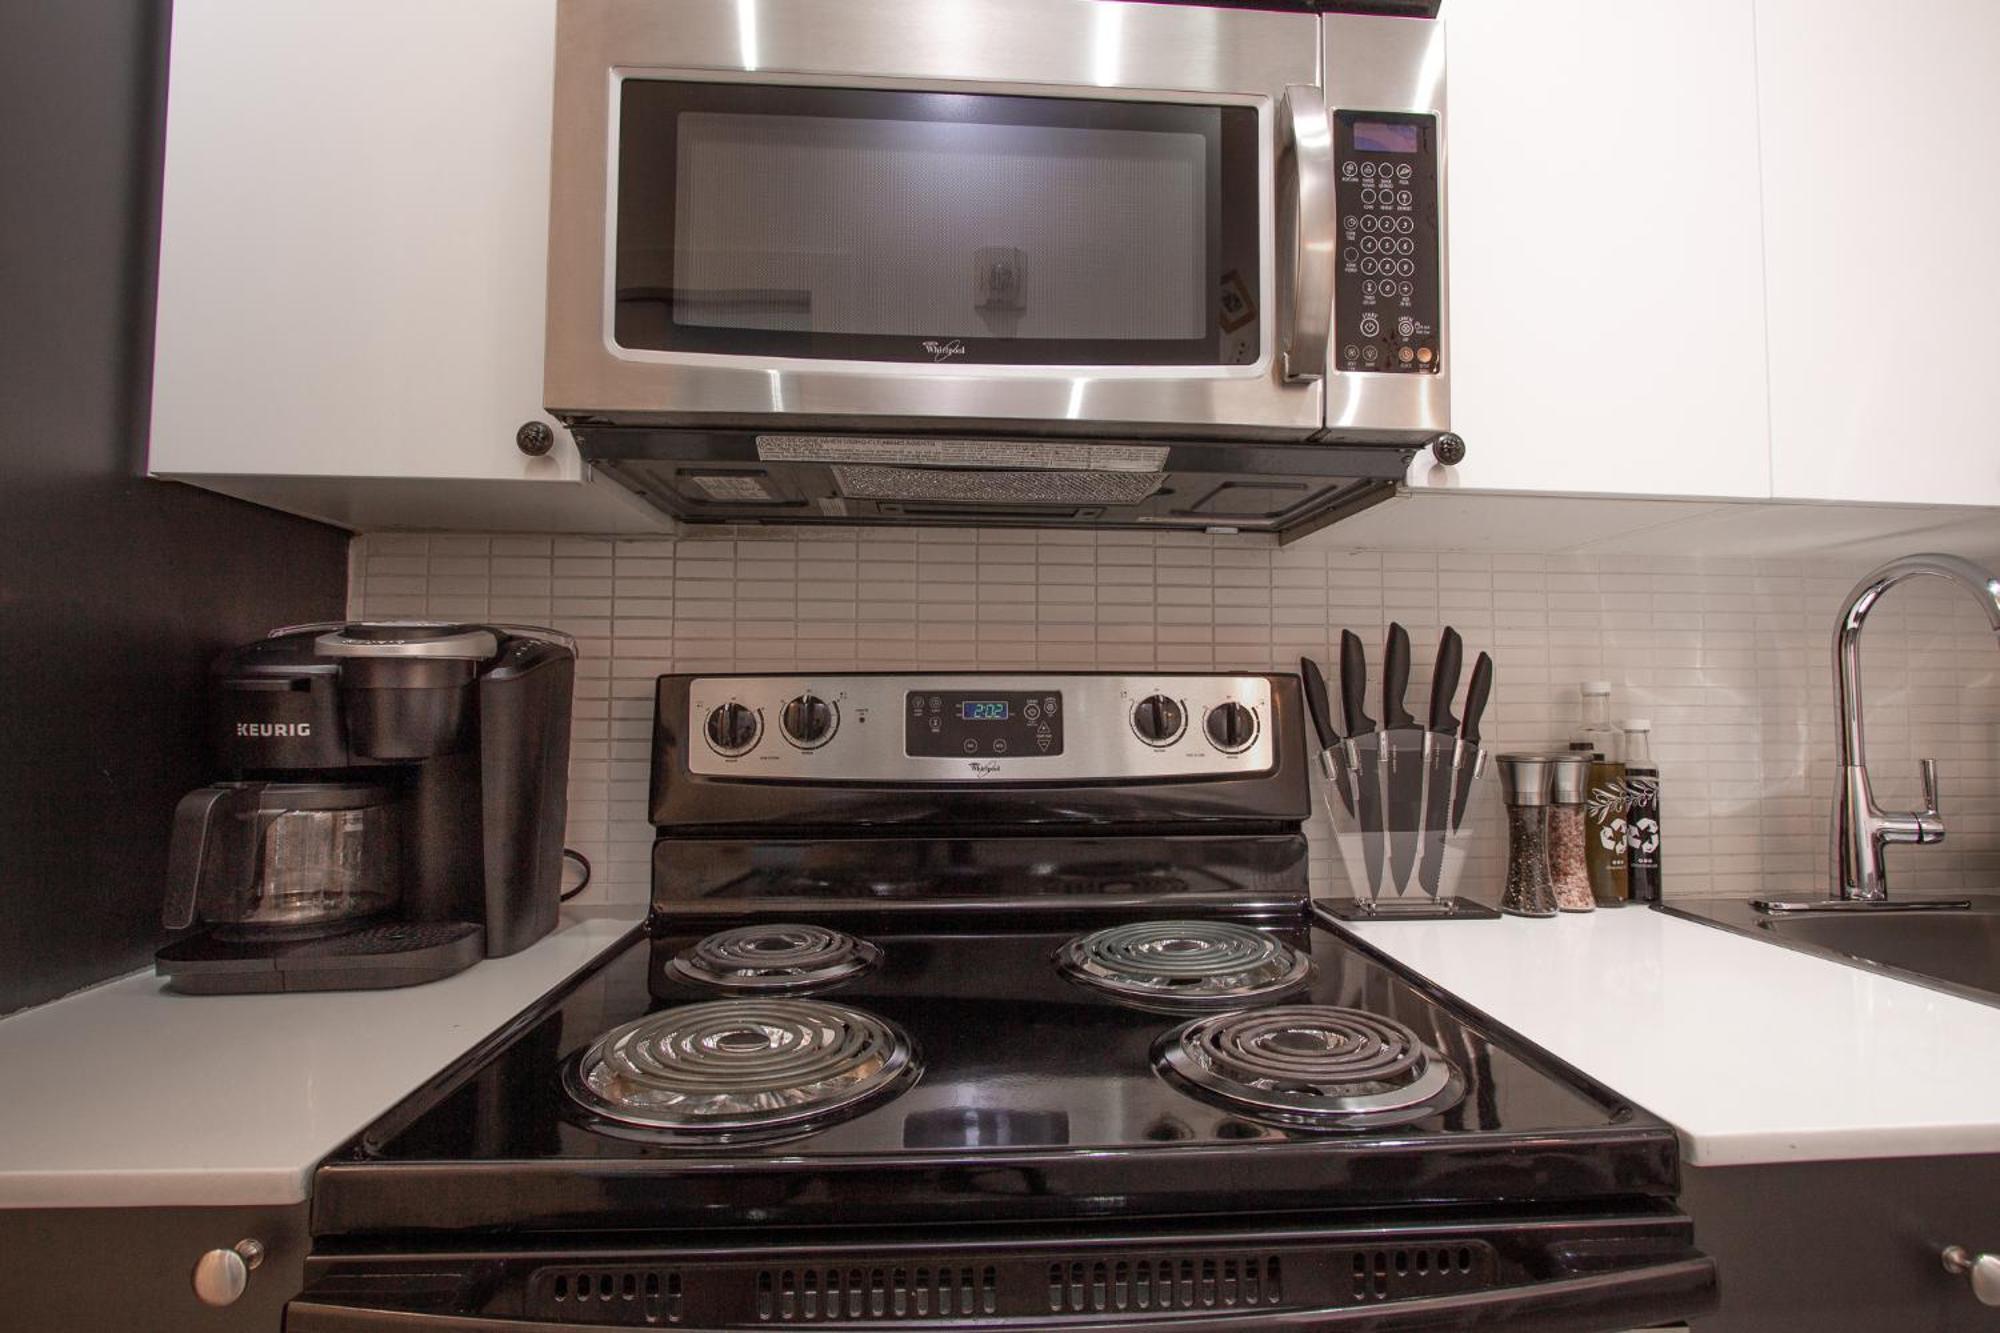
1053, 216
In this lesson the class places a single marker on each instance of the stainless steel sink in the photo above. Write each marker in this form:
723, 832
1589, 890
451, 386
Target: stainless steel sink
1957, 952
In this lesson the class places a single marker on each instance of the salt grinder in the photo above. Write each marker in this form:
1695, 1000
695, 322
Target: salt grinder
1526, 783
1569, 869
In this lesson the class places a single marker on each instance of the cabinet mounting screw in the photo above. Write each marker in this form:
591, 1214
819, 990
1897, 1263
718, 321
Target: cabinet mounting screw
534, 438
1448, 449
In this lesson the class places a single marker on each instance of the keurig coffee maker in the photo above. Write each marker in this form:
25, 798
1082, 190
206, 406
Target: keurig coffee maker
392, 809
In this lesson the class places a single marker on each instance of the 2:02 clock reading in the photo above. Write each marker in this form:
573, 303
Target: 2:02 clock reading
983, 710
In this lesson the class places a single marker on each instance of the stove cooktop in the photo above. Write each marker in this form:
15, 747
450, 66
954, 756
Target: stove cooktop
1029, 1093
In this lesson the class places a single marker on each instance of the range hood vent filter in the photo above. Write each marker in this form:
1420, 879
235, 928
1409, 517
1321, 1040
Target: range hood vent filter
964, 486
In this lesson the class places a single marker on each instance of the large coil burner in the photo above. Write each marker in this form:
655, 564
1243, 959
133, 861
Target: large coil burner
739, 1069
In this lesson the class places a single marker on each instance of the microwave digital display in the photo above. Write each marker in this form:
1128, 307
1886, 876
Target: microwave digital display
1377, 136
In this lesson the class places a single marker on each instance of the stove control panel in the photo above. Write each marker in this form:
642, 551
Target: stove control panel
983, 727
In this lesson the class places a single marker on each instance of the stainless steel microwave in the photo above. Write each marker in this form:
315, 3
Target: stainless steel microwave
998, 261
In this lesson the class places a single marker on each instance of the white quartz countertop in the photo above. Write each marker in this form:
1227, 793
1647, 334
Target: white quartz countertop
1754, 1052
130, 1095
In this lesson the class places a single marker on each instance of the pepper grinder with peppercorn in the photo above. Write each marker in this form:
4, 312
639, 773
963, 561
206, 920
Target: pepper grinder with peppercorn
1526, 781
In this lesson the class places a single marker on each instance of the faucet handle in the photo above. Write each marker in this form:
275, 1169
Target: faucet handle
1928, 767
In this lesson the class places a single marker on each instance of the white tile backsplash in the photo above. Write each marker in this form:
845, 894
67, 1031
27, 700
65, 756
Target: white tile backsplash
1730, 660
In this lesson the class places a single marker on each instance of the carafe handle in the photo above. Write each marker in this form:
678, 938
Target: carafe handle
214, 841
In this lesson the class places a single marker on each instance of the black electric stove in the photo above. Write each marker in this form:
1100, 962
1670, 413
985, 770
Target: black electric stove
932, 1032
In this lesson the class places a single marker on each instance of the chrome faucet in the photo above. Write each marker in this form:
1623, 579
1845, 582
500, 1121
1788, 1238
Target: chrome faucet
1861, 828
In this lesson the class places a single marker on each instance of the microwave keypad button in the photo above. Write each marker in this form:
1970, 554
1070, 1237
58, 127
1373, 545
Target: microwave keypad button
1347, 169
1371, 327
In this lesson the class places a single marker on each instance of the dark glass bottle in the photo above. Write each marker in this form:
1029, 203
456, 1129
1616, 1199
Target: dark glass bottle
1642, 814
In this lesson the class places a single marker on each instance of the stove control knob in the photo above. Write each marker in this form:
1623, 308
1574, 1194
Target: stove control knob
1231, 727
733, 729
809, 721
1158, 719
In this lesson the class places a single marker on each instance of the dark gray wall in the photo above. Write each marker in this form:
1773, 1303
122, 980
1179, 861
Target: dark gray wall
115, 590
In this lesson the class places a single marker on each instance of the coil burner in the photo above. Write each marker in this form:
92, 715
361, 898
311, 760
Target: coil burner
779, 956
1184, 964
731, 1070
1312, 1066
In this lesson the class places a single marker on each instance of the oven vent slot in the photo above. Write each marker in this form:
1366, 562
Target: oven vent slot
1114, 1285
917, 1291
616, 1294
1382, 1275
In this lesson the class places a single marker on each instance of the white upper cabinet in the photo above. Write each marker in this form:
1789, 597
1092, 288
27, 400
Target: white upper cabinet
1881, 200
1606, 282
352, 264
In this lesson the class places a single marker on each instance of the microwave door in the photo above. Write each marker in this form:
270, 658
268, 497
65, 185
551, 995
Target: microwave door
1043, 217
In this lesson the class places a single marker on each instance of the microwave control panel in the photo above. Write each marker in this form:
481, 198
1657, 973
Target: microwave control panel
1386, 298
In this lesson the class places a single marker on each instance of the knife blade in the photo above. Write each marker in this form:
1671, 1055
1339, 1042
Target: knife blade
1476, 695
1319, 707
1402, 758
1362, 751
1440, 753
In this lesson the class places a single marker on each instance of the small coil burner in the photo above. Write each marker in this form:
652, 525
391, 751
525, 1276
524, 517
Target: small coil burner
729, 1070
1313, 1066
780, 956
1184, 964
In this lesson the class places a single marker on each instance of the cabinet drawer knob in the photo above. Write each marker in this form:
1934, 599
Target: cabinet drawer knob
221, 1275
534, 438
1982, 1269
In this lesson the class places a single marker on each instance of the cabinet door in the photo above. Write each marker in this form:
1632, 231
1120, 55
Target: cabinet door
354, 240
1606, 285
1881, 185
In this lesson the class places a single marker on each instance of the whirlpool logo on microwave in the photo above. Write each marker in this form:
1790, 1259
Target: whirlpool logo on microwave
264, 729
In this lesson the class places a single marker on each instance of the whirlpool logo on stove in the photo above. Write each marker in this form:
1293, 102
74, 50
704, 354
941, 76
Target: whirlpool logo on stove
261, 729
984, 768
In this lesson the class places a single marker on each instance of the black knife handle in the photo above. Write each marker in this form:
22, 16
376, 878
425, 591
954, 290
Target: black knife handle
1475, 698
1317, 704
1353, 685
1444, 680
1396, 679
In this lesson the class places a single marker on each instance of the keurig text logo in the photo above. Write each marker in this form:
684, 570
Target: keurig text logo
274, 728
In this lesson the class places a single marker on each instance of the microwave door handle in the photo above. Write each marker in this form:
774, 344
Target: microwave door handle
1306, 231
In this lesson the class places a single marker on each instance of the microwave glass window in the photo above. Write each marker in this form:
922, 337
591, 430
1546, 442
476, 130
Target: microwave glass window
934, 227
1377, 136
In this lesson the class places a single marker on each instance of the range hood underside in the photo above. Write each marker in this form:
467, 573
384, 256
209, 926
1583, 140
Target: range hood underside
742, 476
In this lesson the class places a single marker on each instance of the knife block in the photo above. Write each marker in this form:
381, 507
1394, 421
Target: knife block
1378, 830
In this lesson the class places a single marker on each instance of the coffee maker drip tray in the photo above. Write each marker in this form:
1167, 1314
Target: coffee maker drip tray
379, 957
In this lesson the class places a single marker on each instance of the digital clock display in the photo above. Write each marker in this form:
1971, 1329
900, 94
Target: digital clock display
983, 710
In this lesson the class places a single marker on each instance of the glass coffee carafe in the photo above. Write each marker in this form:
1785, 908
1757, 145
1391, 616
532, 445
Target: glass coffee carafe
283, 859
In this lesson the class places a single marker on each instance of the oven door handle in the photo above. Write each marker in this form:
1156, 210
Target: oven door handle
1307, 236
1631, 1297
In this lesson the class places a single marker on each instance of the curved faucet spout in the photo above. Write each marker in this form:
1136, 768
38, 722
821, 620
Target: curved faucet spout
1860, 828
